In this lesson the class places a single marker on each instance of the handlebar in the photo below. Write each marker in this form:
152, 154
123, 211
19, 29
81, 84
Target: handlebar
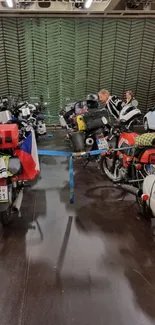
116, 126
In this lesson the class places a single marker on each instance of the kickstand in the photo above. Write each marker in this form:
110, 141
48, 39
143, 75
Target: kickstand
123, 197
85, 165
123, 194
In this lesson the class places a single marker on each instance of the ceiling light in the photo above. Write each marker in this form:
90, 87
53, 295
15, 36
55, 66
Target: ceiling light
9, 3
88, 3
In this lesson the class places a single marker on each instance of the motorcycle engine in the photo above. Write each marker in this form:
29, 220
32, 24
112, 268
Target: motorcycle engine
123, 172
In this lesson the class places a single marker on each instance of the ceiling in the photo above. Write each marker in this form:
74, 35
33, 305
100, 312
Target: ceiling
68, 8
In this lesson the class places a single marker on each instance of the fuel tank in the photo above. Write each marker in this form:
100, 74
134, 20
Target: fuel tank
127, 139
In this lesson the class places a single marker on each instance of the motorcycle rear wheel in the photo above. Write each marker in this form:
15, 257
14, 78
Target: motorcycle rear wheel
7, 217
105, 169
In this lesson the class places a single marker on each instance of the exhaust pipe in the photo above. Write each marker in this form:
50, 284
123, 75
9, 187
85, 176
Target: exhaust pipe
129, 188
89, 141
17, 203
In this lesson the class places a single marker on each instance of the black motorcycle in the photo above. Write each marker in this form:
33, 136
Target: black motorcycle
90, 140
32, 114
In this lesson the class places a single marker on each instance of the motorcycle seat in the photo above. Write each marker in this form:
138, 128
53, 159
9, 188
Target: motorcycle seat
145, 140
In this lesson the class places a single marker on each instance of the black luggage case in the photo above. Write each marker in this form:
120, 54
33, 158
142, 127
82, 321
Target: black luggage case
93, 119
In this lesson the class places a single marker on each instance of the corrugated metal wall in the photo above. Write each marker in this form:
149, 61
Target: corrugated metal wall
60, 58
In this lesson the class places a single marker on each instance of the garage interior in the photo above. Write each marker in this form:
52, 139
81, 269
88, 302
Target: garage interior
59, 58
92, 262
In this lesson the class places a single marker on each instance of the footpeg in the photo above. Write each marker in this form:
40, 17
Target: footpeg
26, 185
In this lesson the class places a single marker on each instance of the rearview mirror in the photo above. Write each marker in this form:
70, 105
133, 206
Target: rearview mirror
134, 102
104, 120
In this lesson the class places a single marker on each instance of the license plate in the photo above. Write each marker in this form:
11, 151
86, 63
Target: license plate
3, 194
102, 143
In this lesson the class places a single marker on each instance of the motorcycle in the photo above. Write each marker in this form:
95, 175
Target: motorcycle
90, 137
12, 108
32, 113
129, 167
12, 177
67, 116
85, 129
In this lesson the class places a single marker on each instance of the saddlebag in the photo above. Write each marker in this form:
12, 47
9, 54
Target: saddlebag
78, 141
93, 119
9, 135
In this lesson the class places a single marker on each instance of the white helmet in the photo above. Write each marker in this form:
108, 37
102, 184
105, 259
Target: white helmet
129, 112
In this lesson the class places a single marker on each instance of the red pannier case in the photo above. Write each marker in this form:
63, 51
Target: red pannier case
9, 136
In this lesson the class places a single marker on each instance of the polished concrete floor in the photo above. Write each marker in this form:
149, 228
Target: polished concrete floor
91, 263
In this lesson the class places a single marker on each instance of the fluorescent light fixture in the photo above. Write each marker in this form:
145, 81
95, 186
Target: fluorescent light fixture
88, 3
9, 3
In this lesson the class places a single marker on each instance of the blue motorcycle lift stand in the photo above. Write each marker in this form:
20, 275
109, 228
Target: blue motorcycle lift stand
47, 135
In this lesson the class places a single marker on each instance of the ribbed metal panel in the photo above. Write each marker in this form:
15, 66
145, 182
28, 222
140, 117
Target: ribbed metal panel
68, 58
120, 59
146, 63
81, 57
109, 33
134, 54
54, 66
14, 47
3, 64
94, 55
36, 40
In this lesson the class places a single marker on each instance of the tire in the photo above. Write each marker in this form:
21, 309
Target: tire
6, 217
144, 211
105, 170
146, 125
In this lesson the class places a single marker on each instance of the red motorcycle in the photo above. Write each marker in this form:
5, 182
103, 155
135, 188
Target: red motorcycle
18, 164
128, 168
